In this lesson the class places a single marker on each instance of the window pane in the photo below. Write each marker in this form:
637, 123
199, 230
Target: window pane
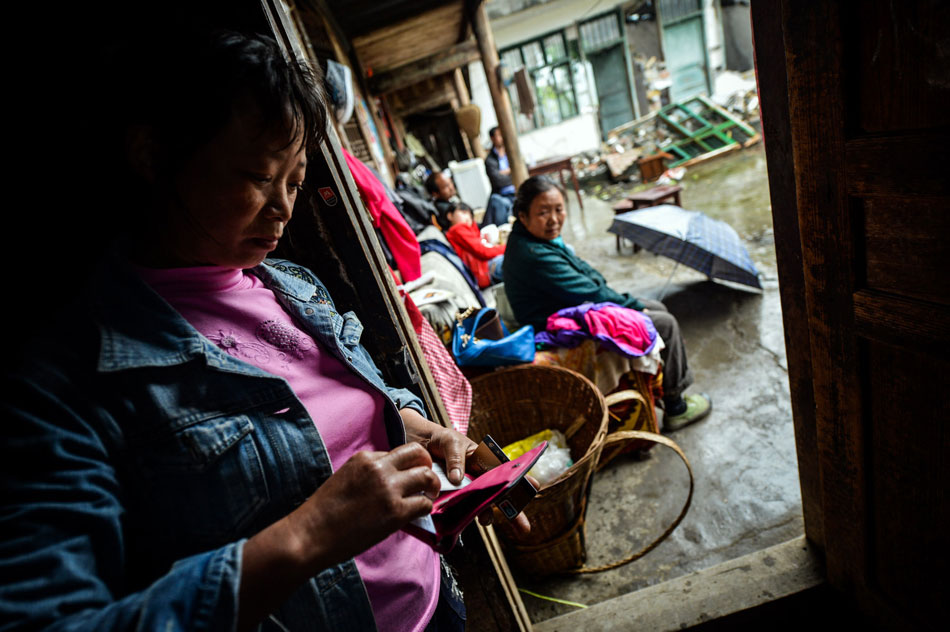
672, 10
548, 106
554, 48
533, 58
562, 79
512, 59
522, 122
513, 95
584, 86
600, 32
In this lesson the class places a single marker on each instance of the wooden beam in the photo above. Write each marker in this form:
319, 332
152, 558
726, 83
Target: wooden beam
408, 40
433, 100
436, 64
499, 96
817, 120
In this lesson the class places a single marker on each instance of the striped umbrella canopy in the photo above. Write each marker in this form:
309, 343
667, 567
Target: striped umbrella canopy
692, 238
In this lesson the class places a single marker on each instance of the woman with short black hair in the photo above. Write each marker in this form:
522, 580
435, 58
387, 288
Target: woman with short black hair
203, 443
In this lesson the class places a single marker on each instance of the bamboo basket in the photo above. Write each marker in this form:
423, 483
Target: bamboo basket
565, 552
513, 403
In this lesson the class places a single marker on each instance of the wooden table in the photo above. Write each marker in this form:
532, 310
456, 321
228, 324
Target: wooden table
558, 164
644, 199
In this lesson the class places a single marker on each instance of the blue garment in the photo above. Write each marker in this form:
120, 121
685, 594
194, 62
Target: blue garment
496, 211
503, 165
138, 457
501, 183
495, 269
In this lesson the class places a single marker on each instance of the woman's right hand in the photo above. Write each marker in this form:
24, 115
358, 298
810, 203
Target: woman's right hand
371, 496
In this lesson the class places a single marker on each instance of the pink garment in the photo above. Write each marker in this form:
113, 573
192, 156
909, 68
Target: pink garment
238, 313
399, 237
556, 322
627, 331
626, 327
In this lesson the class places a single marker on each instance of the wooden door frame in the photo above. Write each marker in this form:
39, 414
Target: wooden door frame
772, 79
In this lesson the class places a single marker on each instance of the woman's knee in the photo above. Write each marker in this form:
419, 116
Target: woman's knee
665, 323
653, 306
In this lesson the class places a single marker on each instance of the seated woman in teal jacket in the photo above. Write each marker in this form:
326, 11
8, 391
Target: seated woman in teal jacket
543, 275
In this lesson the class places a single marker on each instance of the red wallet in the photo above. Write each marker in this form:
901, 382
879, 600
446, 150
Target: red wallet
454, 510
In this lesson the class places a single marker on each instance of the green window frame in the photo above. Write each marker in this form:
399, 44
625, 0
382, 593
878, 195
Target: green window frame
551, 64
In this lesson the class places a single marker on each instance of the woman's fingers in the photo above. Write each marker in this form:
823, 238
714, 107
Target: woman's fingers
522, 524
445, 443
413, 465
408, 455
456, 448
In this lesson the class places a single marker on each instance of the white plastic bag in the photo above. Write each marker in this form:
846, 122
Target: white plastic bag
555, 460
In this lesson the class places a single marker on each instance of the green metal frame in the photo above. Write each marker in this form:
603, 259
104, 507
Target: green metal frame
702, 133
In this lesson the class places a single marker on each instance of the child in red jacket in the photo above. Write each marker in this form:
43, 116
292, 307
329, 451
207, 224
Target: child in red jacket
483, 260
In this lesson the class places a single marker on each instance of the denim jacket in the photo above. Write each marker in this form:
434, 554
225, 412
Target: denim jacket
138, 457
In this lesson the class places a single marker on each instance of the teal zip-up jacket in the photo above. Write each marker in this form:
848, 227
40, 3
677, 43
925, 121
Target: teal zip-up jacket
542, 277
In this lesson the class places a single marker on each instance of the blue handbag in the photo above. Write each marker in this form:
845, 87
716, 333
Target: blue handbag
472, 350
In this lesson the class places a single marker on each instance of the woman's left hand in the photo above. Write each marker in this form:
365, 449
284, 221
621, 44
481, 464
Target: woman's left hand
453, 447
446, 443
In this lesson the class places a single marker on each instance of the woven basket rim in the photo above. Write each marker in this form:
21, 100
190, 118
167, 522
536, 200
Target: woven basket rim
578, 525
596, 444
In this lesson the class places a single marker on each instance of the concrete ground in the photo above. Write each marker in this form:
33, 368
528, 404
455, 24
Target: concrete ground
747, 493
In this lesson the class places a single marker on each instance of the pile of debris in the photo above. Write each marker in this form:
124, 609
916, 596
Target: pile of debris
588, 165
687, 132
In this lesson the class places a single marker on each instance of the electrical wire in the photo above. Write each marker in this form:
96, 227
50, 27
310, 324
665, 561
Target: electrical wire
554, 599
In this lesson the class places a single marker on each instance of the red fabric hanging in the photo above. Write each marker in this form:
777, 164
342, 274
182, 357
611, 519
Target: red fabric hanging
386, 217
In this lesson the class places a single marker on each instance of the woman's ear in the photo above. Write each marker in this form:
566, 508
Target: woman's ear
142, 153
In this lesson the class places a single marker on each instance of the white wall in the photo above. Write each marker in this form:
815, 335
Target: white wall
567, 138
715, 47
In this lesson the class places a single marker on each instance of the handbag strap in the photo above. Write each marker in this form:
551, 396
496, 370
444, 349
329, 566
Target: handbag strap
461, 316
626, 435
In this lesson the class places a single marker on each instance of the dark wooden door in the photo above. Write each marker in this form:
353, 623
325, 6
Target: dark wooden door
858, 144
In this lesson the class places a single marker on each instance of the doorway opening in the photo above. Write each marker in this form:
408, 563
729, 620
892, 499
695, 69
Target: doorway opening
747, 495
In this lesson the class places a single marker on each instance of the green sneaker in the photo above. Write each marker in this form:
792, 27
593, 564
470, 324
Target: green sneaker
697, 407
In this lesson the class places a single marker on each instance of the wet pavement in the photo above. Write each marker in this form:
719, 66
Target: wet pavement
747, 493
